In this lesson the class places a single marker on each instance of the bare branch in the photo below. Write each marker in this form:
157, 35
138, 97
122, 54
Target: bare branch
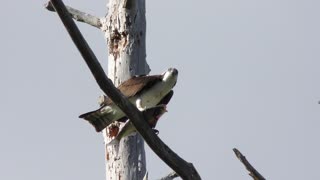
184, 169
253, 172
78, 15
170, 176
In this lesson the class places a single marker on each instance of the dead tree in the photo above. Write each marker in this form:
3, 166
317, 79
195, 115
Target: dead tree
124, 29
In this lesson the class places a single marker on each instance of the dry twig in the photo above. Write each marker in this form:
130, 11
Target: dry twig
252, 171
170, 176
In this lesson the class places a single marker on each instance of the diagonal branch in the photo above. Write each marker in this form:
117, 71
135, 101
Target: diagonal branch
79, 15
253, 172
184, 169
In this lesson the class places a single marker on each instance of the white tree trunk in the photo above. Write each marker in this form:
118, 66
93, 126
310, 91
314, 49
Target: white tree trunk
125, 32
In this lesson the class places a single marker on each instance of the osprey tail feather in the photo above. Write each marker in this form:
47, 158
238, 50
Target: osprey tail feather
98, 121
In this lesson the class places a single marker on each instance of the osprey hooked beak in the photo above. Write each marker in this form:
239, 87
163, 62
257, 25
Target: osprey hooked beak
170, 73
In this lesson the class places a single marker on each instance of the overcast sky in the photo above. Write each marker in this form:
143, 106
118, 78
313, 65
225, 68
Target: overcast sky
248, 78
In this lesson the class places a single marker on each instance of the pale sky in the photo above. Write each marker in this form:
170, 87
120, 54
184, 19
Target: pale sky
248, 78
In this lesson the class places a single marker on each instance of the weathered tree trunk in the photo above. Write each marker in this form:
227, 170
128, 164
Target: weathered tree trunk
125, 32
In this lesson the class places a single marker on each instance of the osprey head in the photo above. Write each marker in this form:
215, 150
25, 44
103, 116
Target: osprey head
170, 75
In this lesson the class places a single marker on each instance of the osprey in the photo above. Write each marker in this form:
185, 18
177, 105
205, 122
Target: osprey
143, 91
152, 115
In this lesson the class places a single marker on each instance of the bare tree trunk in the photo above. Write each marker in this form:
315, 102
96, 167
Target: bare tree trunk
125, 32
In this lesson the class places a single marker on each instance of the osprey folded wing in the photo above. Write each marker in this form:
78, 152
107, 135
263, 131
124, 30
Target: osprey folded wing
143, 91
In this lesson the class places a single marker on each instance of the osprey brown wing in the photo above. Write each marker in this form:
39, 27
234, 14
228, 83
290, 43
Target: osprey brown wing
135, 85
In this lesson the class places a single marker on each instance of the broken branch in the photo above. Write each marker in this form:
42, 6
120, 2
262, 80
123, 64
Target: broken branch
252, 171
79, 15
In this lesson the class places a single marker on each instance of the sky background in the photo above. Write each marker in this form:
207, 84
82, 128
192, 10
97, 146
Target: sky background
248, 78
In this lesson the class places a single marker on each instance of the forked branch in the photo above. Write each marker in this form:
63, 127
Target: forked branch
252, 171
184, 169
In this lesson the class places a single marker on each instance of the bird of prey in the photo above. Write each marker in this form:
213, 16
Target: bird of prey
152, 115
143, 91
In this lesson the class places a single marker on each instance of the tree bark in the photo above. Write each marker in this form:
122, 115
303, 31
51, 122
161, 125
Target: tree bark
125, 32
